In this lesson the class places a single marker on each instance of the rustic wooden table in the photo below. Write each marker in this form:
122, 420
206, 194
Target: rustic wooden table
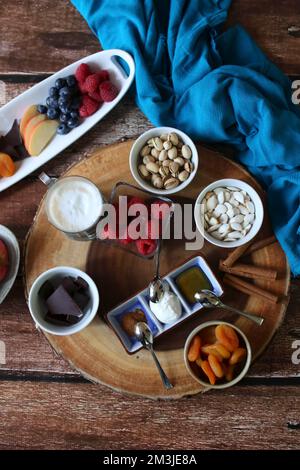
43, 403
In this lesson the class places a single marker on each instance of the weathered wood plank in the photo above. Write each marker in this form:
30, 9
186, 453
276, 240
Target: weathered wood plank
85, 416
35, 42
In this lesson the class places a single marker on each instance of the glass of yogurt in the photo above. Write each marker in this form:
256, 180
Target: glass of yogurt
74, 205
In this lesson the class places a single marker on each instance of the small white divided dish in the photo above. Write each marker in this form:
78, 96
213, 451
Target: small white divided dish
38, 308
13, 258
141, 301
107, 60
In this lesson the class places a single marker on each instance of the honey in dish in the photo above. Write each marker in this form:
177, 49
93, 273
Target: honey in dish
191, 281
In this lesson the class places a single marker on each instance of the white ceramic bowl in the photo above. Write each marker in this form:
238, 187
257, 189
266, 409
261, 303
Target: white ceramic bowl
139, 144
242, 373
37, 305
259, 212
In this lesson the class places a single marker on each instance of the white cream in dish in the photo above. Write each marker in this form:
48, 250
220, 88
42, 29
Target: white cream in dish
168, 309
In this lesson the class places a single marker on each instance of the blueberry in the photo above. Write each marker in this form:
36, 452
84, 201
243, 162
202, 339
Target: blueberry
74, 122
60, 82
64, 117
53, 92
76, 101
53, 103
65, 91
48, 100
42, 109
52, 113
65, 109
63, 101
74, 89
63, 129
74, 114
71, 80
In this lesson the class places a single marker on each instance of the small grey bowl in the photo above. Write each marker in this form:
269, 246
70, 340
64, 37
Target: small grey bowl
12, 244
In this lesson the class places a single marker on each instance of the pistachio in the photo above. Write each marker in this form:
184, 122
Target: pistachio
164, 137
164, 171
188, 166
186, 152
148, 159
174, 167
145, 151
155, 153
143, 171
183, 175
157, 181
163, 155
166, 163
172, 153
171, 183
158, 143
179, 160
152, 167
167, 145
173, 138
150, 142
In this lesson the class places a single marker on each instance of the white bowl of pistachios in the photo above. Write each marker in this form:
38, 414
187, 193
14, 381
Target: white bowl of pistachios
228, 213
163, 160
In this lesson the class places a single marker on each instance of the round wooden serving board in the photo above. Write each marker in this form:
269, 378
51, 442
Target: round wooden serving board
96, 352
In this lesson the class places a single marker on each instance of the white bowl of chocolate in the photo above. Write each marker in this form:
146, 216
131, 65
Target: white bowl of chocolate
63, 300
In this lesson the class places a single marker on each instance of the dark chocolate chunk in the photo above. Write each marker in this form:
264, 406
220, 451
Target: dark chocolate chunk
61, 320
81, 283
81, 299
61, 303
69, 285
12, 143
46, 290
13, 137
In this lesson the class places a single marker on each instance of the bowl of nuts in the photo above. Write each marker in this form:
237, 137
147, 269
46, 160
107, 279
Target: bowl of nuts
217, 354
228, 213
163, 160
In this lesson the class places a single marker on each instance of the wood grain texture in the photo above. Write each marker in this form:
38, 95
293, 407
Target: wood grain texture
46, 247
85, 416
42, 37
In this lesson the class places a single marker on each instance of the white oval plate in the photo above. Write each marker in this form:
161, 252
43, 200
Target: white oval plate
38, 94
14, 260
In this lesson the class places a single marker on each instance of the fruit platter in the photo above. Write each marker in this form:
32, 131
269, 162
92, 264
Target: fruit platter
41, 122
96, 320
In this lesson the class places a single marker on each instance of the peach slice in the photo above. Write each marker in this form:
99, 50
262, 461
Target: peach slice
29, 113
41, 136
35, 121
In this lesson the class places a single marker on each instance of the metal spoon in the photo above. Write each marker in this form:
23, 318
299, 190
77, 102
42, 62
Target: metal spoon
209, 299
145, 336
156, 286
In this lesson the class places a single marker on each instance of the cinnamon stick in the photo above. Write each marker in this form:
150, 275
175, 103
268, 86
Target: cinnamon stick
235, 255
249, 270
248, 288
260, 244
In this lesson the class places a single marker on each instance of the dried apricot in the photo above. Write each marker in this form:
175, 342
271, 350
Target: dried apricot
208, 372
211, 349
227, 336
216, 366
237, 356
222, 350
7, 165
194, 349
229, 373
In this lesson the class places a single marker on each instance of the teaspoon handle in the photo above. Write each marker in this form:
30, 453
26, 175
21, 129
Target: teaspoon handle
255, 318
162, 374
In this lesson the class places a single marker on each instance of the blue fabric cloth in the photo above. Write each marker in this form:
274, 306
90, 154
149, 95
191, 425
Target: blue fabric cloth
216, 86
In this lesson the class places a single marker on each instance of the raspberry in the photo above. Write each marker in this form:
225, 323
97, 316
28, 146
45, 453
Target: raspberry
82, 72
91, 83
88, 106
103, 76
81, 87
146, 247
96, 96
108, 91
160, 210
134, 200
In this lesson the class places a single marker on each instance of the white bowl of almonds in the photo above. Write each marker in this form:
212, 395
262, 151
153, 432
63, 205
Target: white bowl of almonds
228, 213
163, 160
